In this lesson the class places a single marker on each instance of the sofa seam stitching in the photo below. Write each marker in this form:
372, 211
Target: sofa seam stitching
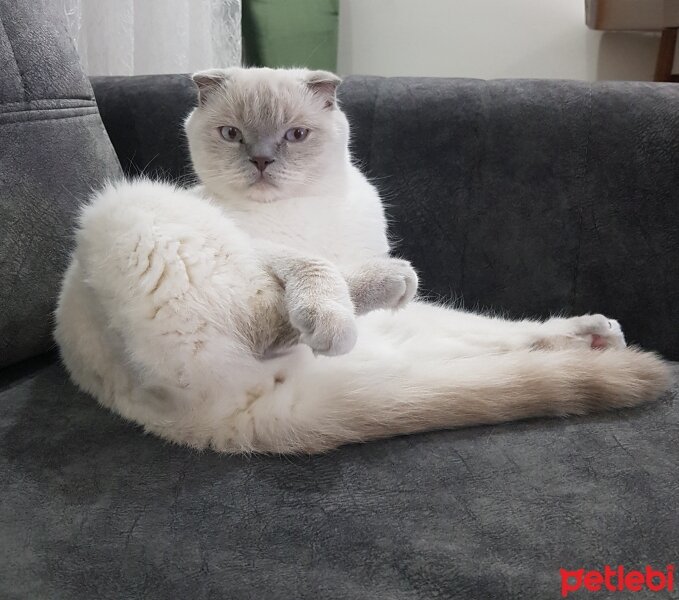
92, 112
84, 101
56, 109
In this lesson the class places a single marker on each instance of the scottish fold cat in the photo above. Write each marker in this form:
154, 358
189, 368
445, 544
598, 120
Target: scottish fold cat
262, 312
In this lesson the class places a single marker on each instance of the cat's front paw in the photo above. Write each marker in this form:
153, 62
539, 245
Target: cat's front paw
398, 284
328, 328
383, 283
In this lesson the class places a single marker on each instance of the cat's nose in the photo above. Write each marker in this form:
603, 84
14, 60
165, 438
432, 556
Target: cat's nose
261, 162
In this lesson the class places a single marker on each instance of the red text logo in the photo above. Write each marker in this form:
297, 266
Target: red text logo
617, 580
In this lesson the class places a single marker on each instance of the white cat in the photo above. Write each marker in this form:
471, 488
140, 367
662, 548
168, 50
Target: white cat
227, 316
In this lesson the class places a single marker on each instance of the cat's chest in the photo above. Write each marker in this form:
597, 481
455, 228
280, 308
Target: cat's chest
333, 230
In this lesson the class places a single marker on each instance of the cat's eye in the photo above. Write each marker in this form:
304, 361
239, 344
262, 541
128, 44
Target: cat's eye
231, 134
296, 134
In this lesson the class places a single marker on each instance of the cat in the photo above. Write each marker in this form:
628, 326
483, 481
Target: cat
261, 311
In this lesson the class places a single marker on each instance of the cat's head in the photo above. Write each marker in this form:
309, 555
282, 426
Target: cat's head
267, 133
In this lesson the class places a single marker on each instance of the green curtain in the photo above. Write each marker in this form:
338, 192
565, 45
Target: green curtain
290, 33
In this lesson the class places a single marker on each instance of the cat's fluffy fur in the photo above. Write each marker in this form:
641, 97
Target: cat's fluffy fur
227, 316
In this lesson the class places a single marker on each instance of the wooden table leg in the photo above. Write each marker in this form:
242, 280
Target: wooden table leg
664, 63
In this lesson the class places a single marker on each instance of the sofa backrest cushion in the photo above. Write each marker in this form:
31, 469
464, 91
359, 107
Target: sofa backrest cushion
527, 197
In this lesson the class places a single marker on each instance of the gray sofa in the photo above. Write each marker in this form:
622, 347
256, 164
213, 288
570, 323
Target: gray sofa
526, 196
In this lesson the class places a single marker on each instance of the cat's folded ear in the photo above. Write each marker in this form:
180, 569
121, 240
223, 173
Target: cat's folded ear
208, 81
324, 84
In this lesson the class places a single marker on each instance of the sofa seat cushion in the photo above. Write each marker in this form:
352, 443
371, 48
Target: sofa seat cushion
92, 508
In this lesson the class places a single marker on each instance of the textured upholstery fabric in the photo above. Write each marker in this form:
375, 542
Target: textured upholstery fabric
53, 149
530, 197
91, 508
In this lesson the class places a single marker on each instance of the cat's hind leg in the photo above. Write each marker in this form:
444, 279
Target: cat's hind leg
381, 389
477, 333
88, 350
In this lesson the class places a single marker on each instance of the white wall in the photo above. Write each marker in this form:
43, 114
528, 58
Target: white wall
487, 39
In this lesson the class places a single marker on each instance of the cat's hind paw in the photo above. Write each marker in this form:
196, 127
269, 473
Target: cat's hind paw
594, 331
600, 331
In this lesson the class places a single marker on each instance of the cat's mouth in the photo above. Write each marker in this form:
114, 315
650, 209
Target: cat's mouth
262, 180
263, 189
262, 183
